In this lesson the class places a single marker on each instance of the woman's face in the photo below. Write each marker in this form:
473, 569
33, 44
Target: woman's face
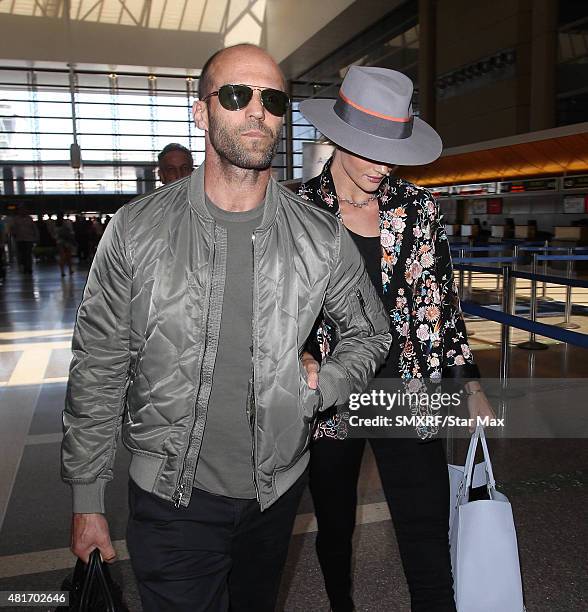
366, 174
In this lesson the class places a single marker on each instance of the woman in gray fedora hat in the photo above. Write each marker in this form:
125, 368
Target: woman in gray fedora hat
398, 231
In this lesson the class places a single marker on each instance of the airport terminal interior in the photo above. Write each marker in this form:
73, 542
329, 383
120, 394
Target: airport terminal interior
90, 93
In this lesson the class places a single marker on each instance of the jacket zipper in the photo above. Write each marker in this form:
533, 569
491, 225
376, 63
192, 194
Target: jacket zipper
178, 494
364, 313
253, 407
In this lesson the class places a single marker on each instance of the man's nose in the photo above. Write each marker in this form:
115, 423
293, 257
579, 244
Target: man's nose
255, 107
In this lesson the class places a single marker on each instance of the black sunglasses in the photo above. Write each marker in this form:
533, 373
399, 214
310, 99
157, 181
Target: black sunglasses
237, 97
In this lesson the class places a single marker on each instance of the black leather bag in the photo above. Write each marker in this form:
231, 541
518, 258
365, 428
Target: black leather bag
91, 588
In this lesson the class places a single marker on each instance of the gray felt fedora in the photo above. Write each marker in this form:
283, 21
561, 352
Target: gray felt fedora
373, 118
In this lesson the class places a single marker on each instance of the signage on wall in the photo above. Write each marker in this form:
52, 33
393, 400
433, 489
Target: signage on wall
575, 204
549, 184
576, 182
479, 207
494, 206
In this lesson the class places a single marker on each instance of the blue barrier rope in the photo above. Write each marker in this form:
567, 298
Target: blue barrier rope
482, 248
557, 280
573, 249
465, 260
483, 269
541, 329
521, 241
548, 278
534, 249
562, 258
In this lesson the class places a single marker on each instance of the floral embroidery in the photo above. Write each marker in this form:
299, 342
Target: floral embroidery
421, 295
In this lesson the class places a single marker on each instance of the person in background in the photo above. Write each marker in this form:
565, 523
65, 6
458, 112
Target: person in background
82, 235
174, 162
66, 243
397, 228
25, 234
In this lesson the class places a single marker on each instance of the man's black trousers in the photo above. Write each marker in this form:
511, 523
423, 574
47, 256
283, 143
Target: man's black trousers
217, 554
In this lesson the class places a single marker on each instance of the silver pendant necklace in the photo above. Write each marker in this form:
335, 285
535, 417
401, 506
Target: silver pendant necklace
361, 204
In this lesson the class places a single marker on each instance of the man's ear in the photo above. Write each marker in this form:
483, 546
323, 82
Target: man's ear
200, 114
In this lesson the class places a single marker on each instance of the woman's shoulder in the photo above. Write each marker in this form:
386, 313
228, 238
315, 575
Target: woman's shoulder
412, 196
313, 190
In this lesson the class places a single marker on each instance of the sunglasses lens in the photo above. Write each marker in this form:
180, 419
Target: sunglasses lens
275, 101
235, 97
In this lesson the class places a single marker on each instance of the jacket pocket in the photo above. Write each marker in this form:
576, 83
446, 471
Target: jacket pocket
363, 312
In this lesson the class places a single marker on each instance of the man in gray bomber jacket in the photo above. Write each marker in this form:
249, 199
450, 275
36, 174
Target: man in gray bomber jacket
188, 340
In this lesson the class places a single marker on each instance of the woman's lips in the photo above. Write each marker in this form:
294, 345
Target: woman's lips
374, 179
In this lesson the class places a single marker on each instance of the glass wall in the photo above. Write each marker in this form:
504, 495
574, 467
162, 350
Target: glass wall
121, 121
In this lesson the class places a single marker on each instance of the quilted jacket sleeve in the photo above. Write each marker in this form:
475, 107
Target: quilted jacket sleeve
362, 325
458, 361
99, 372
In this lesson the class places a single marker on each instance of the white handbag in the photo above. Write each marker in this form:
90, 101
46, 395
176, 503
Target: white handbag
484, 551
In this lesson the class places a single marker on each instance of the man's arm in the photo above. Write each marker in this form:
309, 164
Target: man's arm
363, 326
97, 381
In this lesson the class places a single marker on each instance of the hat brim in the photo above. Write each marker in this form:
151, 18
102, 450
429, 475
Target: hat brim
423, 146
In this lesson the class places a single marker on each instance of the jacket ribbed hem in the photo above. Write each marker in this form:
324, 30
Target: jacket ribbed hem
89, 498
333, 385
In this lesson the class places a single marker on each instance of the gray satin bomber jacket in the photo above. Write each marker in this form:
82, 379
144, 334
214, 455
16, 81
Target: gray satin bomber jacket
147, 331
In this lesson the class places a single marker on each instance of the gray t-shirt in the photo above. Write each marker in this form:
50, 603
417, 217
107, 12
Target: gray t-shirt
225, 465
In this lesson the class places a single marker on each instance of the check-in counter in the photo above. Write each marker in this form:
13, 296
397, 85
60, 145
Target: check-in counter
526, 232
577, 234
452, 229
571, 236
469, 230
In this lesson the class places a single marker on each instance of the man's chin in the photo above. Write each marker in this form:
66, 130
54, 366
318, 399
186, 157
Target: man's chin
255, 161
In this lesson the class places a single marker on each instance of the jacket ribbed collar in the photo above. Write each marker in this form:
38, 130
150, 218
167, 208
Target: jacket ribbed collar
196, 197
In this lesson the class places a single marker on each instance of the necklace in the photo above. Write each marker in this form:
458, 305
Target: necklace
363, 203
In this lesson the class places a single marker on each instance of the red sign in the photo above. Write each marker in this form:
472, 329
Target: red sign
494, 206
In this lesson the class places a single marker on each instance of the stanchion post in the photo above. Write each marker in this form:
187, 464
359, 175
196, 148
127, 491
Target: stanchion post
567, 322
471, 243
570, 271
532, 344
545, 252
505, 329
513, 281
461, 275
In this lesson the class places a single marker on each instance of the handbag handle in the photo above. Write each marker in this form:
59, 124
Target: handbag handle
466, 482
95, 573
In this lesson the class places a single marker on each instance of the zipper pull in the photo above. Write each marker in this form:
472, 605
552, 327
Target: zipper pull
178, 494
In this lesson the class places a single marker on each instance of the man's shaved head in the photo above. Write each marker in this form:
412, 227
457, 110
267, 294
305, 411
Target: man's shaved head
232, 54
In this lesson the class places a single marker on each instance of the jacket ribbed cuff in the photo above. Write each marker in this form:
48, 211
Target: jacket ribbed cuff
89, 498
333, 385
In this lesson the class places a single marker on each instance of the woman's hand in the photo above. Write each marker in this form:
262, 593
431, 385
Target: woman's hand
478, 404
312, 367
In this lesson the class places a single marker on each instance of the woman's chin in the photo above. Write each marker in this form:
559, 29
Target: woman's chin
370, 187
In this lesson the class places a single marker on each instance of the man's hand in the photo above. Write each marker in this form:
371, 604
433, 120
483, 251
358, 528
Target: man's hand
312, 367
478, 404
90, 531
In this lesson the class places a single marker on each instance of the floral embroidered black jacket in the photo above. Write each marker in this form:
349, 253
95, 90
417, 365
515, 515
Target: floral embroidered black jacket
419, 290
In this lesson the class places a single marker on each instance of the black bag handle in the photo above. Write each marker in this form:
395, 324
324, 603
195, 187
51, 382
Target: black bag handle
96, 573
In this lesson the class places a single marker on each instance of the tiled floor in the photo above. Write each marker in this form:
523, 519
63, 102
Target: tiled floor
544, 479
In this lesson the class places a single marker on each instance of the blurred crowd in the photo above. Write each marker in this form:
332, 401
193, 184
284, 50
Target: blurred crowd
60, 237
48, 239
